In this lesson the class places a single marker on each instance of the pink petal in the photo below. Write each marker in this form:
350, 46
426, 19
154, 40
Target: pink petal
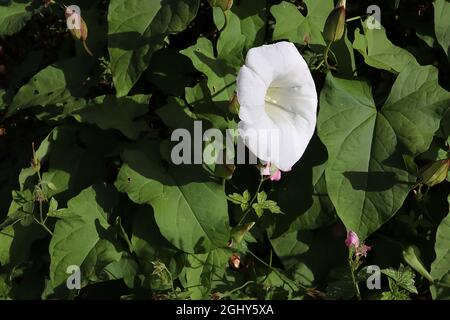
276, 176
352, 239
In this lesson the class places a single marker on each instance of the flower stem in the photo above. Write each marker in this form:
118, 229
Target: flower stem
355, 283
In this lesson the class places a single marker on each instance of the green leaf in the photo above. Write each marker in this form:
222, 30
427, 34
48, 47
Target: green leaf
253, 18
190, 210
302, 254
403, 277
411, 255
200, 99
396, 295
442, 24
221, 70
379, 52
293, 26
58, 83
150, 246
205, 271
13, 16
81, 238
264, 204
170, 71
367, 177
76, 159
242, 200
109, 112
137, 29
21, 206
440, 268
223, 4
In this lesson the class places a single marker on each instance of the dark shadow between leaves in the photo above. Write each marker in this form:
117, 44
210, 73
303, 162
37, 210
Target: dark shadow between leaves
297, 189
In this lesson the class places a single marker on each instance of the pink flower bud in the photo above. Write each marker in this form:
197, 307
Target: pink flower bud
272, 171
352, 240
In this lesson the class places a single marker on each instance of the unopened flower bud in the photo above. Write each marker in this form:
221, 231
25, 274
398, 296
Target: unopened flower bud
233, 106
235, 261
434, 173
352, 240
335, 24
76, 24
239, 232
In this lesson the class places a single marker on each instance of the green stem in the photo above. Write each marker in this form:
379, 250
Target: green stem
44, 226
355, 283
226, 294
41, 216
354, 18
325, 56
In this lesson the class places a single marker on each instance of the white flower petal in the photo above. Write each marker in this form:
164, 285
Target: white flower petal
278, 104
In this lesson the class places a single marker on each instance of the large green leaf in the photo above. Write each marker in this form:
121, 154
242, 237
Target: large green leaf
379, 52
81, 238
76, 159
442, 24
58, 83
222, 69
367, 178
150, 246
293, 26
139, 28
109, 112
13, 16
440, 268
253, 17
190, 210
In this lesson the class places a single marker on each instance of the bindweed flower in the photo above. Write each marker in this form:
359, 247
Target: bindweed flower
278, 103
352, 240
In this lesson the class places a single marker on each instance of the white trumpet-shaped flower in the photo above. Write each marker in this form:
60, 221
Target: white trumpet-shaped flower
278, 104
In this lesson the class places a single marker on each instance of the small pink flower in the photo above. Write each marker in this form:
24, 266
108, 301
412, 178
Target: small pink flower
362, 250
352, 240
270, 170
276, 176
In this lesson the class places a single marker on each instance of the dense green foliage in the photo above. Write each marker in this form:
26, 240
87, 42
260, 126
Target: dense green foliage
94, 116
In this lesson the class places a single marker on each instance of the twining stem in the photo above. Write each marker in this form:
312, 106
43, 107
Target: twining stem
40, 211
44, 226
41, 220
355, 283
227, 294
325, 56
275, 270
353, 19
246, 212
